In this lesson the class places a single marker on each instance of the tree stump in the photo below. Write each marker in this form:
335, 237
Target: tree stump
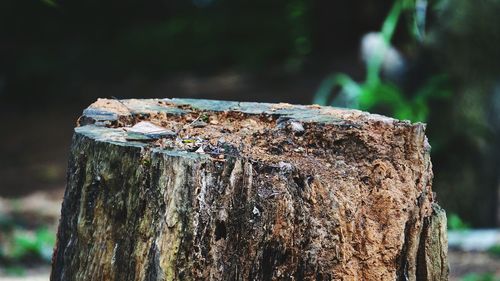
180, 189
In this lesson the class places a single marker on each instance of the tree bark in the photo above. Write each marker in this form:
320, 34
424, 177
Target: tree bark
178, 189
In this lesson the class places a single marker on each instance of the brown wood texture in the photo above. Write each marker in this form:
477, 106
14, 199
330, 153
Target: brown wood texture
178, 189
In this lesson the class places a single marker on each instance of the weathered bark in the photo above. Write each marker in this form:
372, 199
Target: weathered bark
247, 191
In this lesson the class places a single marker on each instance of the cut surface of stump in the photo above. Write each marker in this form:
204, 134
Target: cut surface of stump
181, 189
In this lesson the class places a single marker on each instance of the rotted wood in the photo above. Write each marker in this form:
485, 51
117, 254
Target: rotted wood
179, 189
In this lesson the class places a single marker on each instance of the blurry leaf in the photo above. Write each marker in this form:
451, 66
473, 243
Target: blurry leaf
456, 223
436, 87
495, 250
417, 18
14, 271
50, 3
381, 94
420, 19
387, 31
296, 9
439, 5
37, 243
45, 241
391, 21
479, 277
300, 36
375, 93
351, 89
24, 243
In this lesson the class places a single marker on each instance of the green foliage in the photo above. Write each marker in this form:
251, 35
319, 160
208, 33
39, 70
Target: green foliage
366, 96
480, 277
456, 223
50, 3
494, 250
22, 243
375, 93
296, 12
14, 270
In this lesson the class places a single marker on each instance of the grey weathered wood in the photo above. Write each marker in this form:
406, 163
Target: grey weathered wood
247, 191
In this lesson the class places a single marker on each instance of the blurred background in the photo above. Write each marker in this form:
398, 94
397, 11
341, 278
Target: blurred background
433, 61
